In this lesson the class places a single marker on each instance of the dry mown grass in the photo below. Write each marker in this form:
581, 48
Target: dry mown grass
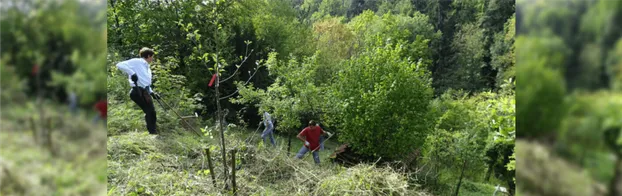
175, 164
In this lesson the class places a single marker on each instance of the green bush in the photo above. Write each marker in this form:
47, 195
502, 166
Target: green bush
383, 98
12, 85
541, 97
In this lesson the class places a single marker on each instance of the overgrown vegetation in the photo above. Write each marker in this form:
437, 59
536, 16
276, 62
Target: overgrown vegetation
568, 121
49, 50
425, 88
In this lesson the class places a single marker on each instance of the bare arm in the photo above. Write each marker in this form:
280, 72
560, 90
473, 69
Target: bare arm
300, 137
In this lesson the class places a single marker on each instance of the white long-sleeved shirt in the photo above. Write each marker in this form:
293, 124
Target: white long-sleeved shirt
140, 67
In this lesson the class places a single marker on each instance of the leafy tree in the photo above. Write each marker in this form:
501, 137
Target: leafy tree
60, 44
375, 31
383, 98
334, 42
470, 52
293, 98
399, 7
542, 94
331, 8
13, 86
614, 66
503, 58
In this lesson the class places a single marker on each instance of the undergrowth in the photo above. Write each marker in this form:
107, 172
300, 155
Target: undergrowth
28, 168
175, 164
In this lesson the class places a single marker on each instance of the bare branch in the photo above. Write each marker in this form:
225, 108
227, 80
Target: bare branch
246, 54
247, 81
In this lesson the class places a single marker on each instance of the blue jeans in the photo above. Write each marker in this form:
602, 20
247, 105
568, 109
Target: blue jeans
304, 150
268, 132
97, 118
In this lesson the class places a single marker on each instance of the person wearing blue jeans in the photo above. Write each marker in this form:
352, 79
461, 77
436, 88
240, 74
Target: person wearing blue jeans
311, 138
268, 131
304, 150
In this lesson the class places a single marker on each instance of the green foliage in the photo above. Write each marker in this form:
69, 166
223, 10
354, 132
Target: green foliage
614, 66
292, 97
474, 188
590, 117
362, 74
376, 31
383, 98
334, 41
329, 8
399, 7
551, 50
277, 30
12, 85
68, 46
542, 94
502, 52
26, 168
478, 130
576, 42
470, 52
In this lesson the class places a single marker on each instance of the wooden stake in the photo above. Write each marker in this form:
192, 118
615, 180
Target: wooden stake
211, 167
48, 135
233, 171
33, 125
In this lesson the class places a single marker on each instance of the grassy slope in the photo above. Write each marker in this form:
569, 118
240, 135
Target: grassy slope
174, 164
29, 169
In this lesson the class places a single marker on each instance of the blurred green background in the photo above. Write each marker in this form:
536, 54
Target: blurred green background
569, 55
52, 62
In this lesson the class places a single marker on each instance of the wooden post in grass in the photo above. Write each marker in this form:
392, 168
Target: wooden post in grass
33, 126
48, 136
211, 167
233, 171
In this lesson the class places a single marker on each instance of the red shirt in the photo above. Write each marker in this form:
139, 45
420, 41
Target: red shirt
312, 134
102, 107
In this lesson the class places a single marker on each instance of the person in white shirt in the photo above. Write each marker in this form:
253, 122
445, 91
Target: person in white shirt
139, 76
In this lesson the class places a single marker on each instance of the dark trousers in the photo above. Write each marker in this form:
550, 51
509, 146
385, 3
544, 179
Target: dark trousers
146, 104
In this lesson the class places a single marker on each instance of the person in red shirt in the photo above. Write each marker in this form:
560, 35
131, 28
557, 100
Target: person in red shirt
310, 136
101, 107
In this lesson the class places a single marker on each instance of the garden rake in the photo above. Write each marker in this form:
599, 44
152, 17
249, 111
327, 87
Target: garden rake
176, 113
316, 148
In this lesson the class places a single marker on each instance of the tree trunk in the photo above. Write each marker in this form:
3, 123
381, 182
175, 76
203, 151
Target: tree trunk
615, 187
289, 145
461, 176
220, 129
582, 158
489, 173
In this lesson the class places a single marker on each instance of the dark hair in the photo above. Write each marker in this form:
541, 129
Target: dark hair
311, 123
146, 52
